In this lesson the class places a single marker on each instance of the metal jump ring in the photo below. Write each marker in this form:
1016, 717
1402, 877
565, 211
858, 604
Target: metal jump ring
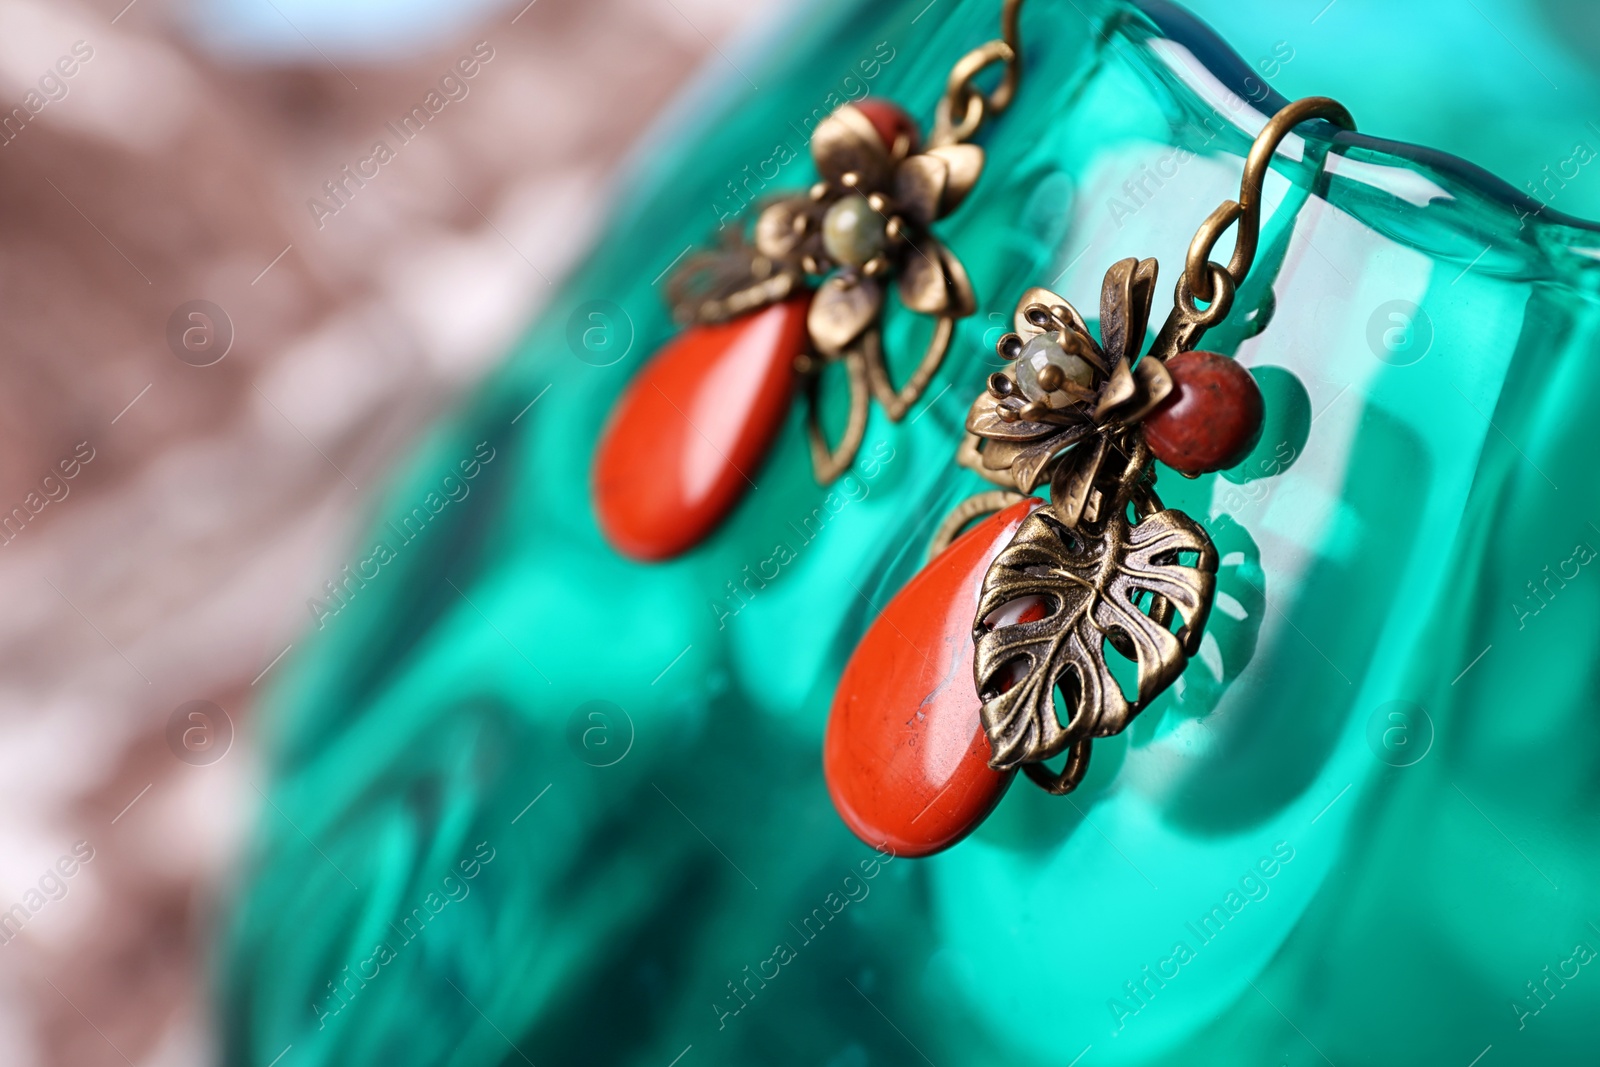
1222, 297
944, 132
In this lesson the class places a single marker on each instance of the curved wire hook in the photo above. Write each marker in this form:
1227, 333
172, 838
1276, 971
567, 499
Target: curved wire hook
1246, 211
961, 98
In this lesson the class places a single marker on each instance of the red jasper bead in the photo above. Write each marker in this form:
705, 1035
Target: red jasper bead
905, 755
891, 122
1212, 418
688, 434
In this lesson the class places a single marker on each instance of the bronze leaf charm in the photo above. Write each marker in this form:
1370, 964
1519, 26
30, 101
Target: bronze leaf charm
1106, 584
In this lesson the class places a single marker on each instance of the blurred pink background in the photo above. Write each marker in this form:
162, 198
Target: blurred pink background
176, 564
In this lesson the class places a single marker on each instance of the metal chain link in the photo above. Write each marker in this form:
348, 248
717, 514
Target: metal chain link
963, 107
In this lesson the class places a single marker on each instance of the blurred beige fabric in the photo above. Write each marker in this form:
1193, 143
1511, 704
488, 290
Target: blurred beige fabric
176, 561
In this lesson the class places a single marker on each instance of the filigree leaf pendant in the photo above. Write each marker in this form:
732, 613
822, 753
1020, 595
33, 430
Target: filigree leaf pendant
1141, 592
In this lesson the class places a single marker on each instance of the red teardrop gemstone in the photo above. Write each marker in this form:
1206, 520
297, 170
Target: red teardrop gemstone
688, 434
905, 756
1212, 418
891, 122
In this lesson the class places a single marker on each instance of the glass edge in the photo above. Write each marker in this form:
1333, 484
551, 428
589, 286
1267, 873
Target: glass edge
1207, 46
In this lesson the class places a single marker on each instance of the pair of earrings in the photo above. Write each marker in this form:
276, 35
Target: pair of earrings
805, 289
954, 686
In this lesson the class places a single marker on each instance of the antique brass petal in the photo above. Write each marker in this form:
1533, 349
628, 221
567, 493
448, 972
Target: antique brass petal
924, 284
1155, 385
846, 143
828, 462
984, 419
1125, 299
965, 163
1000, 455
1029, 464
779, 228
963, 301
1030, 467
842, 309
975, 458
896, 402
1073, 479
919, 185
1120, 389
720, 283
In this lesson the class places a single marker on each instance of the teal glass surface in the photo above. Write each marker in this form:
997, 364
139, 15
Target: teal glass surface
533, 802
1512, 85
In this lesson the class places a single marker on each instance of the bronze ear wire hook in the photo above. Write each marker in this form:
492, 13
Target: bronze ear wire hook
1204, 279
962, 97
1247, 209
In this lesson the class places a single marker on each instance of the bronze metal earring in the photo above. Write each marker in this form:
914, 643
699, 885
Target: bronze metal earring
804, 288
955, 685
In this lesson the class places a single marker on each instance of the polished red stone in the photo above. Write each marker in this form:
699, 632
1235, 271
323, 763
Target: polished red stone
1211, 420
890, 120
686, 438
905, 756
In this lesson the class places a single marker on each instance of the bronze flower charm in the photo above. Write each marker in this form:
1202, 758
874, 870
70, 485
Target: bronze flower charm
867, 218
1063, 392
866, 221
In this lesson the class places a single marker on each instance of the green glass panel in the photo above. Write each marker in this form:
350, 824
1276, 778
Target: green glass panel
534, 802
1512, 85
